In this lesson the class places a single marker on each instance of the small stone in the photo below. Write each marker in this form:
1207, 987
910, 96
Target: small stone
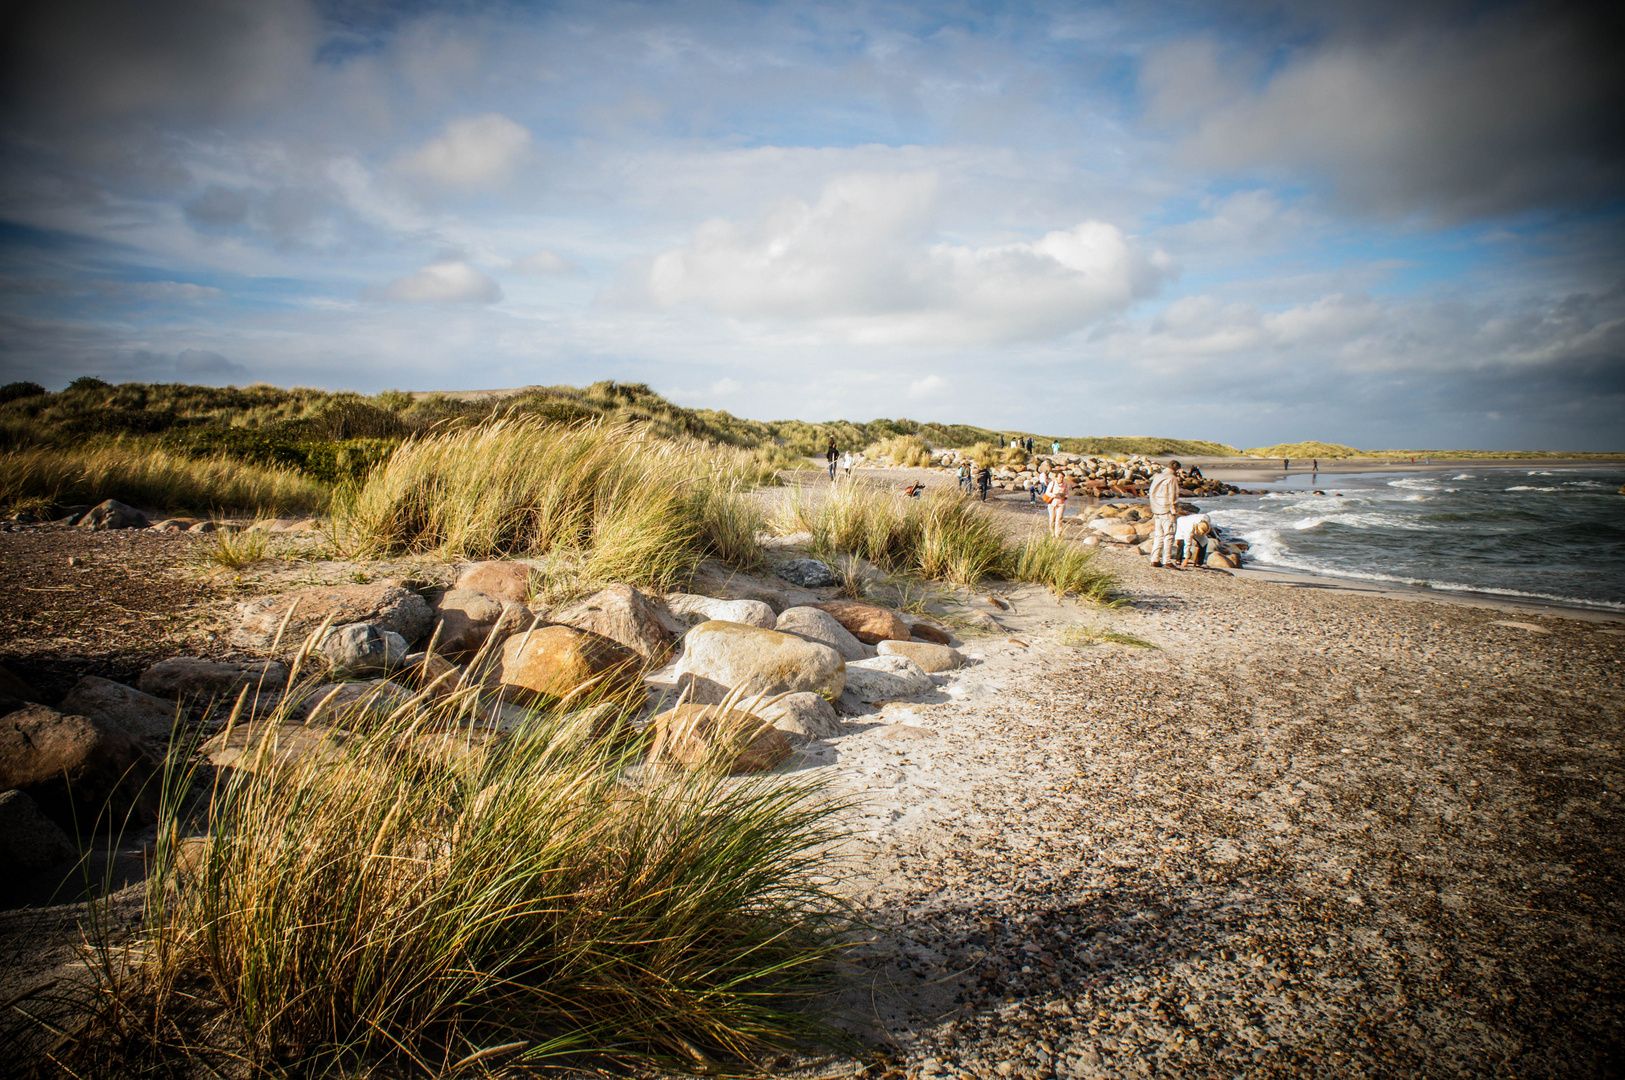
808, 573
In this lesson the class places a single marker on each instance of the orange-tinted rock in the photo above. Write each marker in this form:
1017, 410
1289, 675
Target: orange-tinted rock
926, 632
729, 740
550, 663
508, 581
869, 624
622, 614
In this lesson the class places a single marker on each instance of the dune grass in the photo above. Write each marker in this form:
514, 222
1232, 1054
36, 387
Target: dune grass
940, 536
149, 477
621, 506
419, 892
909, 450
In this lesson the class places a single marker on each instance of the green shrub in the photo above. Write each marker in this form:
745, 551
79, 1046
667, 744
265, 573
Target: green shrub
18, 390
909, 450
1067, 568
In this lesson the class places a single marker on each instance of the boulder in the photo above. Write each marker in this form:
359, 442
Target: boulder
1115, 529
869, 624
464, 618
29, 841
425, 670
387, 606
808, 573
550, 663
142, 715
1223, 561
624, 615
815, 624
692, 609
195, 678
886, 678
729, 740
801, 716
930, 657
174, 524
508, 581
927, 632
13, 687
713, 578
83, 773
363, 648
112, 514
719, 657
264, 743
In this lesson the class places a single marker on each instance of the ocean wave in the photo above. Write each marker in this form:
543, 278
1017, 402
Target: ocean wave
1539, 472
1585, 484
1526, 487
1414, 482
1430, 583
1463, 476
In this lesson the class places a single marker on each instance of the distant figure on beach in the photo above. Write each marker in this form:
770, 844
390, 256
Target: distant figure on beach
1055, 447
833, 455
1164, 499
1286, 464
1029, 444
913, 490
1317, 466
984, 480
1055, 494
846, 463
1038, 486
965, 478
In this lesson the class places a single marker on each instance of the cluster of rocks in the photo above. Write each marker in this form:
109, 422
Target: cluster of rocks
732, 681
1131, 526
110, 514
1093, 476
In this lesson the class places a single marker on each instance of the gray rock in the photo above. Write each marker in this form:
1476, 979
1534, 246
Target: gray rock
719, 657
112, 514
802, 716
29, 841
808, 573
383, 604
811, 624
692, 610
886, 678
194, 678
142, 715
363, 649
622, 614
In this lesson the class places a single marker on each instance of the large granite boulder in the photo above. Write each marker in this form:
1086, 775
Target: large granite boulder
387, 606
869, 624
550, 663
931, 658
85, 774
507, 581
112, 514
814, 624
363, 648
808, 573
465, 618
708, 736
801, 716
692, 610
719, 657
886, 678
29, 841
713, 578
194, 678
622, 614
142, 715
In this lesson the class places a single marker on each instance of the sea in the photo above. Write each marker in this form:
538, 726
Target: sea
1514, 531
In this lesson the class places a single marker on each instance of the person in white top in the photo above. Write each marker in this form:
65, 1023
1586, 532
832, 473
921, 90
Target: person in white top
1193, 531
1164, 499
846, 462
1055, 494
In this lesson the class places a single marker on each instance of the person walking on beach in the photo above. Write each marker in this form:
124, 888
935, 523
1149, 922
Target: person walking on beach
1286, 464
1055, 447
984, 480
964, 478
1164, 499
846, 464
1059, 488
833, 455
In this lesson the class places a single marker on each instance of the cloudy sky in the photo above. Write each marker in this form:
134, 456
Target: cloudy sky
1388, 224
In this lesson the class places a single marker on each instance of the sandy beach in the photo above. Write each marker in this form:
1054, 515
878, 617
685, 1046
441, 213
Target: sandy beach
1308, 831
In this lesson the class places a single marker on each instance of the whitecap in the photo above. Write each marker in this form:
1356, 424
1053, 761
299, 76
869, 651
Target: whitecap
1463, 476
1539, 472
1526, 487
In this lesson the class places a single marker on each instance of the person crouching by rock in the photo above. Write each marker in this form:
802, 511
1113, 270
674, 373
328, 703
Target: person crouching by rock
1194, 540
913, 490
984, 480
1164, 498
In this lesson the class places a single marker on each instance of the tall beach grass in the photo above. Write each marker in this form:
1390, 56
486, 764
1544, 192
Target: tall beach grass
619, 504
149, 477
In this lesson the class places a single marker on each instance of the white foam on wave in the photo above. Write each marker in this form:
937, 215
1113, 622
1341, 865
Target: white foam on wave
1463, 476
1526, 487
1415, 482
1585, 484
1539, 472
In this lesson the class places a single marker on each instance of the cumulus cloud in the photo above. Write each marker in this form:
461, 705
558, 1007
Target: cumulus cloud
1455, 120
544, 264
449, 282
929, 387
474, 152
863, 260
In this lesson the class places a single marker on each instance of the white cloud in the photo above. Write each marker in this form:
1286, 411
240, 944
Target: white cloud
449, 282
543, 263
861, 262
474, 152
929, 387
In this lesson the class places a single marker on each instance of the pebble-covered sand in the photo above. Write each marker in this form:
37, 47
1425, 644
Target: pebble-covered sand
1311, 833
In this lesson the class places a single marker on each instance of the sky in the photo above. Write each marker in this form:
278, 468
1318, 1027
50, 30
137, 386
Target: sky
1390, 225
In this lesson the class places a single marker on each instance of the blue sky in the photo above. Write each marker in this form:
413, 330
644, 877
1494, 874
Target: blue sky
1384, 224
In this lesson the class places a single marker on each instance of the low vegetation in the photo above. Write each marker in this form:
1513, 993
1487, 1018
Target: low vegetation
1067, 568
421, 893
909, 450
144, 475
1306, 450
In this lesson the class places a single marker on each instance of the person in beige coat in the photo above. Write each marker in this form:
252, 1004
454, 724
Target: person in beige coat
1164, 499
